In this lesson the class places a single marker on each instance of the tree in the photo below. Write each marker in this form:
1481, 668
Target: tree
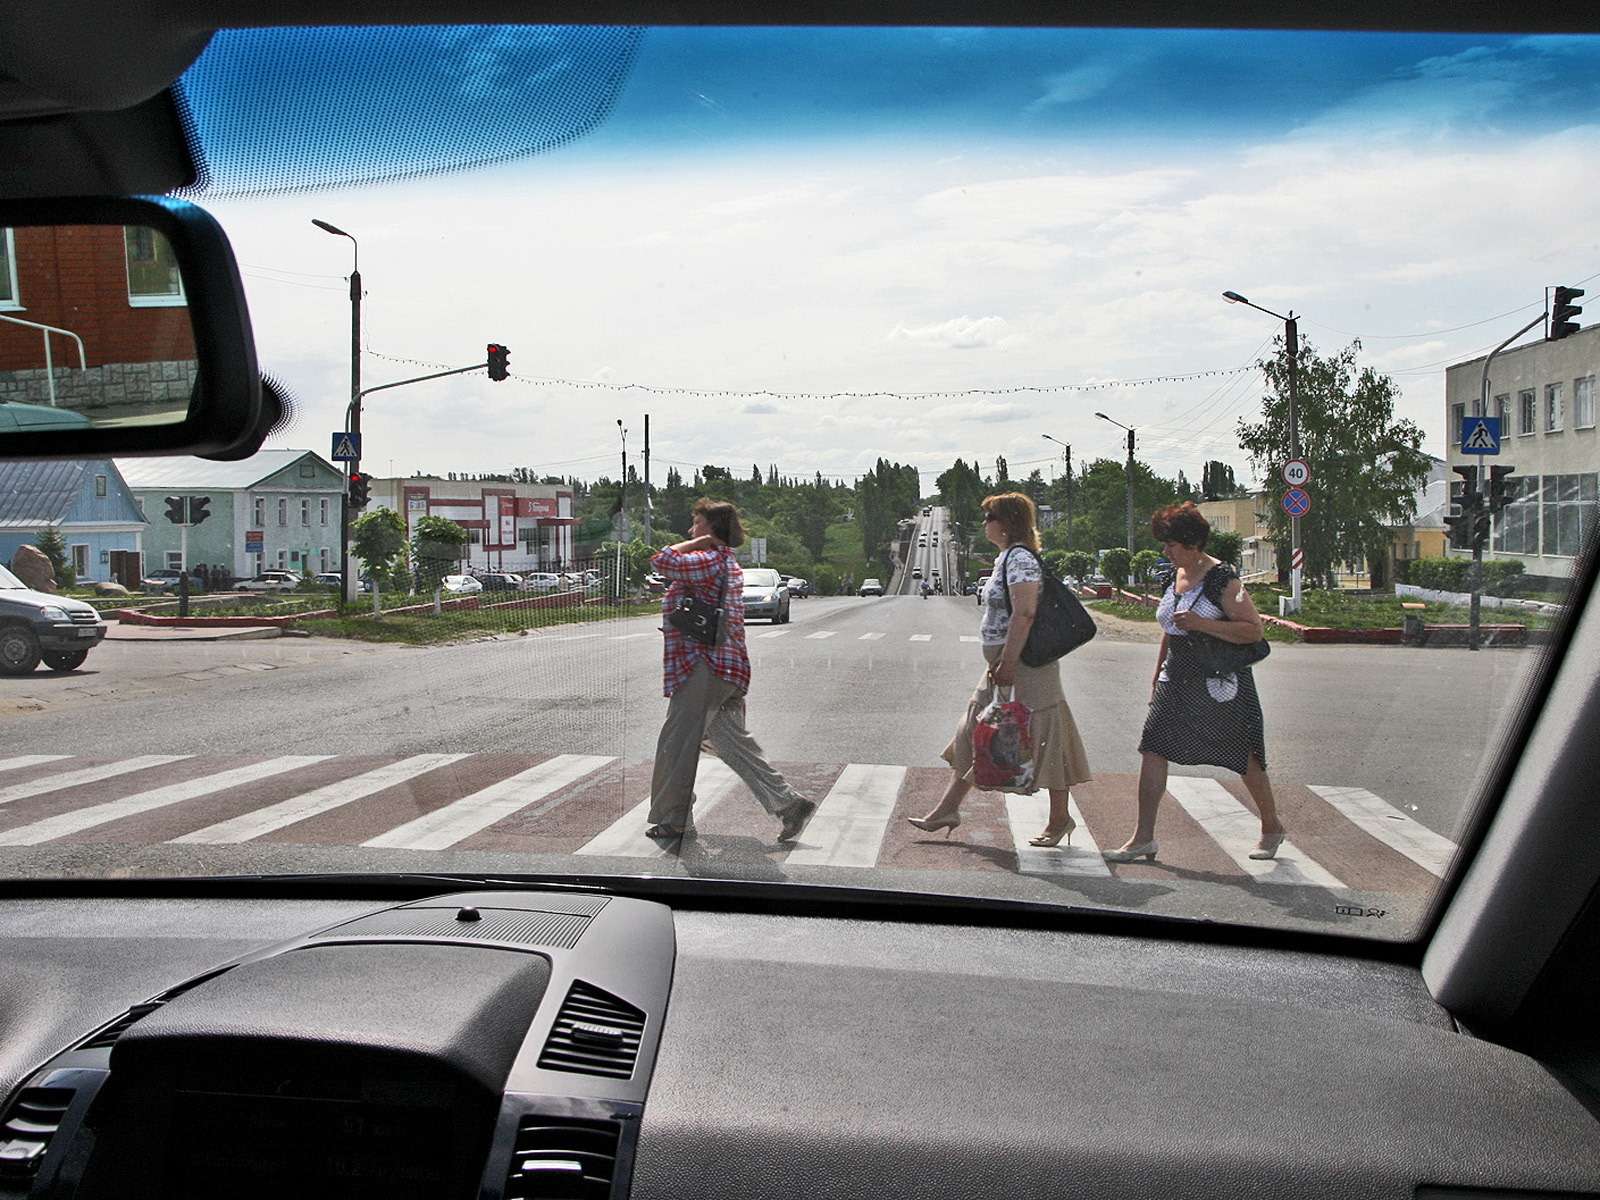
1368, 466
380, 542
1100, 497
635, 566
807, 511
1115, 563
54, 547
1036, 487
1079, 564
883, 496
673, 509
1227, 546
436, 547
1143, 566
1002, 476
1217, 481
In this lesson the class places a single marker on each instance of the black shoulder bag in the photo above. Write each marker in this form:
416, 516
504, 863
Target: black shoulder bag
693, 617
1215, 658
1060, 625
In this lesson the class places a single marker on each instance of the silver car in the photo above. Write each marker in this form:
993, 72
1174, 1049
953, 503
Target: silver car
765, 596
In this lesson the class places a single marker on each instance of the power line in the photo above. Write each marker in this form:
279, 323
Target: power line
1386, 337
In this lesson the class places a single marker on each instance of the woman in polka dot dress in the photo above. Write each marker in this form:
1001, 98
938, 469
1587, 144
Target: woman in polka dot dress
1196, 719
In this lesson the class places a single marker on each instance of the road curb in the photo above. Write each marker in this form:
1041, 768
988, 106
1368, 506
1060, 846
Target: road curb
199, 635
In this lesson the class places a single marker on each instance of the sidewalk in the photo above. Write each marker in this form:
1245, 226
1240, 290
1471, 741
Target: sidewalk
118, 632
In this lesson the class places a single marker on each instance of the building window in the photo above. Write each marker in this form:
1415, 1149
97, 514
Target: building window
1583, 403
8, 272
1526, 422
327, 554
1458, 413
1552, 408
100, 486
475, 536
1502, 409
283, 511
308, 469
153, 277
174, 560
80, 559
323, 507
283, 560
305, 513
260, 510
1569, 512
1516, 529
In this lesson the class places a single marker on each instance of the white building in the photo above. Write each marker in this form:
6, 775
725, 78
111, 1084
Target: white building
512, 526
1544, 395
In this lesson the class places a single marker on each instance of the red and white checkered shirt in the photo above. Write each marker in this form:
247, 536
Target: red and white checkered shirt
700, 573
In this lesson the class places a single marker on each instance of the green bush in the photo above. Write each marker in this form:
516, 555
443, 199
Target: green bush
1056, 561
1079, 564
826, 582
1440, 574
1402, 570
1115, 564
1227, 546
1501, 576
1143, 566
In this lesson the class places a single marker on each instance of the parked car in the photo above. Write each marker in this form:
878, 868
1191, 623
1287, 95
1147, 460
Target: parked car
916, 572
500, 581
765, 596
270, 581
871, 587
166, 580
38, 626
542, 582
983, 582
461, 585
654, 583
328, 579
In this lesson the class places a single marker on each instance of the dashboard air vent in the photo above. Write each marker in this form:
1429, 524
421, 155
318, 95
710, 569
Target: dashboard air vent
25, 1133
563, 1157
108, 1036
594, 1034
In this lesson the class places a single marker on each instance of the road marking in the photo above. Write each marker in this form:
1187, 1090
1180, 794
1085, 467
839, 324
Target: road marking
848, 827
55, 783
624, 837
968, 637
920, 637
29, 760
628, 637
1237, 830
826, 633
320, 800
869, 637
142, 802
775, 633
1027, 816
444, 827
1393, 828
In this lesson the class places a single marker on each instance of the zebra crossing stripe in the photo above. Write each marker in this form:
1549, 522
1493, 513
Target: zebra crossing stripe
826, 633
1389, 825
848, 827
29, 760
313, 803
1027, 816
1237, 830
41, 787
920, 637
869, 637
95, 815
444, 827
774, 633
967, 637
624, 837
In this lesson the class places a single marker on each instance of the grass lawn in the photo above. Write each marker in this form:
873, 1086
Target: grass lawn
1138, 612
1338, 610
425, 629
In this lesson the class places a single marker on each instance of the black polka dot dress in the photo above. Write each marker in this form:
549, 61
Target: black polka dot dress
1195, 720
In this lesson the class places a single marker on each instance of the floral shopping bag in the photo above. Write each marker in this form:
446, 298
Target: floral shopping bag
1002, 745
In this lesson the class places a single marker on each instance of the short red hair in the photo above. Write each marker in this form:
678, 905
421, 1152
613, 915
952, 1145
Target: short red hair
1181, 523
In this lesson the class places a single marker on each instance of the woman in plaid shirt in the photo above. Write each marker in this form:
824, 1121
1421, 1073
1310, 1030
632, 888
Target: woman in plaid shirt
706, 685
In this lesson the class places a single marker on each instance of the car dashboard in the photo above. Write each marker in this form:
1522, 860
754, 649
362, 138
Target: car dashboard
568, 1044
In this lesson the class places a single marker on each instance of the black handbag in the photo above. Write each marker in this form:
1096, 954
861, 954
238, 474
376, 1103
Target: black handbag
1060, 625
1214, 658
698, 619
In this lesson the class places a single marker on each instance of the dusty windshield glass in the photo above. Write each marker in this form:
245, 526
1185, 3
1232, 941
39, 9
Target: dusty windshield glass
927, 321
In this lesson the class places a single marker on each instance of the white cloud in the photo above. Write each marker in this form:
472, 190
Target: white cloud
958, 333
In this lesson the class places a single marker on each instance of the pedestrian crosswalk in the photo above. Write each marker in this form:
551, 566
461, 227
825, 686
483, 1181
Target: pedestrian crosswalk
1342, 838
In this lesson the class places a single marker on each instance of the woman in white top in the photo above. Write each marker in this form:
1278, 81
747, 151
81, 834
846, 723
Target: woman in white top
1010, 522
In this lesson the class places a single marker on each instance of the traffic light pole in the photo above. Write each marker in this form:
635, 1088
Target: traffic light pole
352, 424
1291, 337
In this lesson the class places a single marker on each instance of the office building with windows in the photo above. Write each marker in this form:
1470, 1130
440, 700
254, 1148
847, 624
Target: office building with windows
1544, 395
277, 510
510, 526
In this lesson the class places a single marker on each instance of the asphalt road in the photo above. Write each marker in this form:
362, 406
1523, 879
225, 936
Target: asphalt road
854, 700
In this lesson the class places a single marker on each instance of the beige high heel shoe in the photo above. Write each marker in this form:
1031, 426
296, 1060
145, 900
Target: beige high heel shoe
934, 824
1133, 853
1048, 839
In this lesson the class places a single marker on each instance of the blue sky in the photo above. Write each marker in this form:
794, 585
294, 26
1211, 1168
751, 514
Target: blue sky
907, 210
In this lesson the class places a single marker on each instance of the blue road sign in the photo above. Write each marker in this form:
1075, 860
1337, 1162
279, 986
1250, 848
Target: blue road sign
1480, 435
1296, 502
346, 447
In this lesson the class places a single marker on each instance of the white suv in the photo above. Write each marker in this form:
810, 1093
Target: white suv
871, 587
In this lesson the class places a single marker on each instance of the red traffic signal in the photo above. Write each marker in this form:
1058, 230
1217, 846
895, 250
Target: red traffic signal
499, 358
360, 487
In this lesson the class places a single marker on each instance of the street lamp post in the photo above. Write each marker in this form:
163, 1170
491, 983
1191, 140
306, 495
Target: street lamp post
1120, 425
1066, 454
1291, 338
347, 581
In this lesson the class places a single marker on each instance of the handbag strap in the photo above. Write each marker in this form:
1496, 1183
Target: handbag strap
1005, 582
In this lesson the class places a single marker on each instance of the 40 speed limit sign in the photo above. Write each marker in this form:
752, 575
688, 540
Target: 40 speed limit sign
1297, 472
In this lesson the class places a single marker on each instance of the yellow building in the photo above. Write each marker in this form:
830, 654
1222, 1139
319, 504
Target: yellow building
1246, 516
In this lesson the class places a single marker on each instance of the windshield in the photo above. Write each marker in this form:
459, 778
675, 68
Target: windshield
8, 580
1195, 320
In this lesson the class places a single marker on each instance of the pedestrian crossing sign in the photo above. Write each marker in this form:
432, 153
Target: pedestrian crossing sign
346, 447
1480, 435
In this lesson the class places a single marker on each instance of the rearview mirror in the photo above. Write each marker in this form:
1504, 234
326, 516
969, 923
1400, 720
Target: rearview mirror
123, 331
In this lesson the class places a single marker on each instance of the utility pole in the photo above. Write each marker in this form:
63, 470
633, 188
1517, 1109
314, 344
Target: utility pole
648, 536
347, 583
1291, 333
1068, 453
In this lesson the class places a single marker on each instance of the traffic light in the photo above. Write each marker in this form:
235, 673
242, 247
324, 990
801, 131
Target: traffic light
1562, 313
1480, 527
360, 486
499, 357
1464, 504
1499, 489
199, 509
178, 509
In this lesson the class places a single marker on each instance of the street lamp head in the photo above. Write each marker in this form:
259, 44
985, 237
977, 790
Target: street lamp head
1234, 298
1103, 417
333, 229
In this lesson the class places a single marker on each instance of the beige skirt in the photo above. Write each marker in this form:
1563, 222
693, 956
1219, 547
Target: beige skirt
1059, 751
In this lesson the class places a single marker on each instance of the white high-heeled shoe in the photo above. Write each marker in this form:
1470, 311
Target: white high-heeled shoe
1133, 853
